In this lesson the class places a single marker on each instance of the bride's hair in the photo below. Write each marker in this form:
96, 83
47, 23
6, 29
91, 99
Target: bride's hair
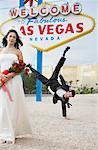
18, 41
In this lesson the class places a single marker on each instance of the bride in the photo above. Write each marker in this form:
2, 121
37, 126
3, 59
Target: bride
13, 116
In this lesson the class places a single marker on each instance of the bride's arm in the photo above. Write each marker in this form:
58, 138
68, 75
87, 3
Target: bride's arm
7, 77
13, 74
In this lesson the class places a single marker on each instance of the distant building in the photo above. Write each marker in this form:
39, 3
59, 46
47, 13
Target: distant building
81, 75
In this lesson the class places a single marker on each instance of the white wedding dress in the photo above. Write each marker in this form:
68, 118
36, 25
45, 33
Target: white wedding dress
14, 120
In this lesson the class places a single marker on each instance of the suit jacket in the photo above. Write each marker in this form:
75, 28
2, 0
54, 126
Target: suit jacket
63, 86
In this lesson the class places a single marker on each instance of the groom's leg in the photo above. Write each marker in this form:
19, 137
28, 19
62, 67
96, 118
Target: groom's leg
57, 68
59, 65
39, 76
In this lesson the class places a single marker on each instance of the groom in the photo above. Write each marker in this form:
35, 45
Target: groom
59, 91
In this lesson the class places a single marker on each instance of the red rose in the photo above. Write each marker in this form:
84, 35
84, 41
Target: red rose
5, 72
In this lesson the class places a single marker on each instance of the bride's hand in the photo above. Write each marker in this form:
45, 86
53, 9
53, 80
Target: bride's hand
1, 81
4, 78
1, 84
10, 75
7, 77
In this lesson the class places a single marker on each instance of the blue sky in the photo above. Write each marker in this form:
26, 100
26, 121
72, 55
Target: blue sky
83, 50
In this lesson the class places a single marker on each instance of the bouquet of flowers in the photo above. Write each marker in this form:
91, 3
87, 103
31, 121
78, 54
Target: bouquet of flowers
16, 68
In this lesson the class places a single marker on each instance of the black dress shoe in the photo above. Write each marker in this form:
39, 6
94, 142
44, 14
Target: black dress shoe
67, 48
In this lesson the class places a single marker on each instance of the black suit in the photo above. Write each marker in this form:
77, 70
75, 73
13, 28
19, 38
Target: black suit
53, 83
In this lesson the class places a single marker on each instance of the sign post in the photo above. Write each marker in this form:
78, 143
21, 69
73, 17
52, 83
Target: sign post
39, 62
39, 68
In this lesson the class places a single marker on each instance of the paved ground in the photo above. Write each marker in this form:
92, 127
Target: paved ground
53, 132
